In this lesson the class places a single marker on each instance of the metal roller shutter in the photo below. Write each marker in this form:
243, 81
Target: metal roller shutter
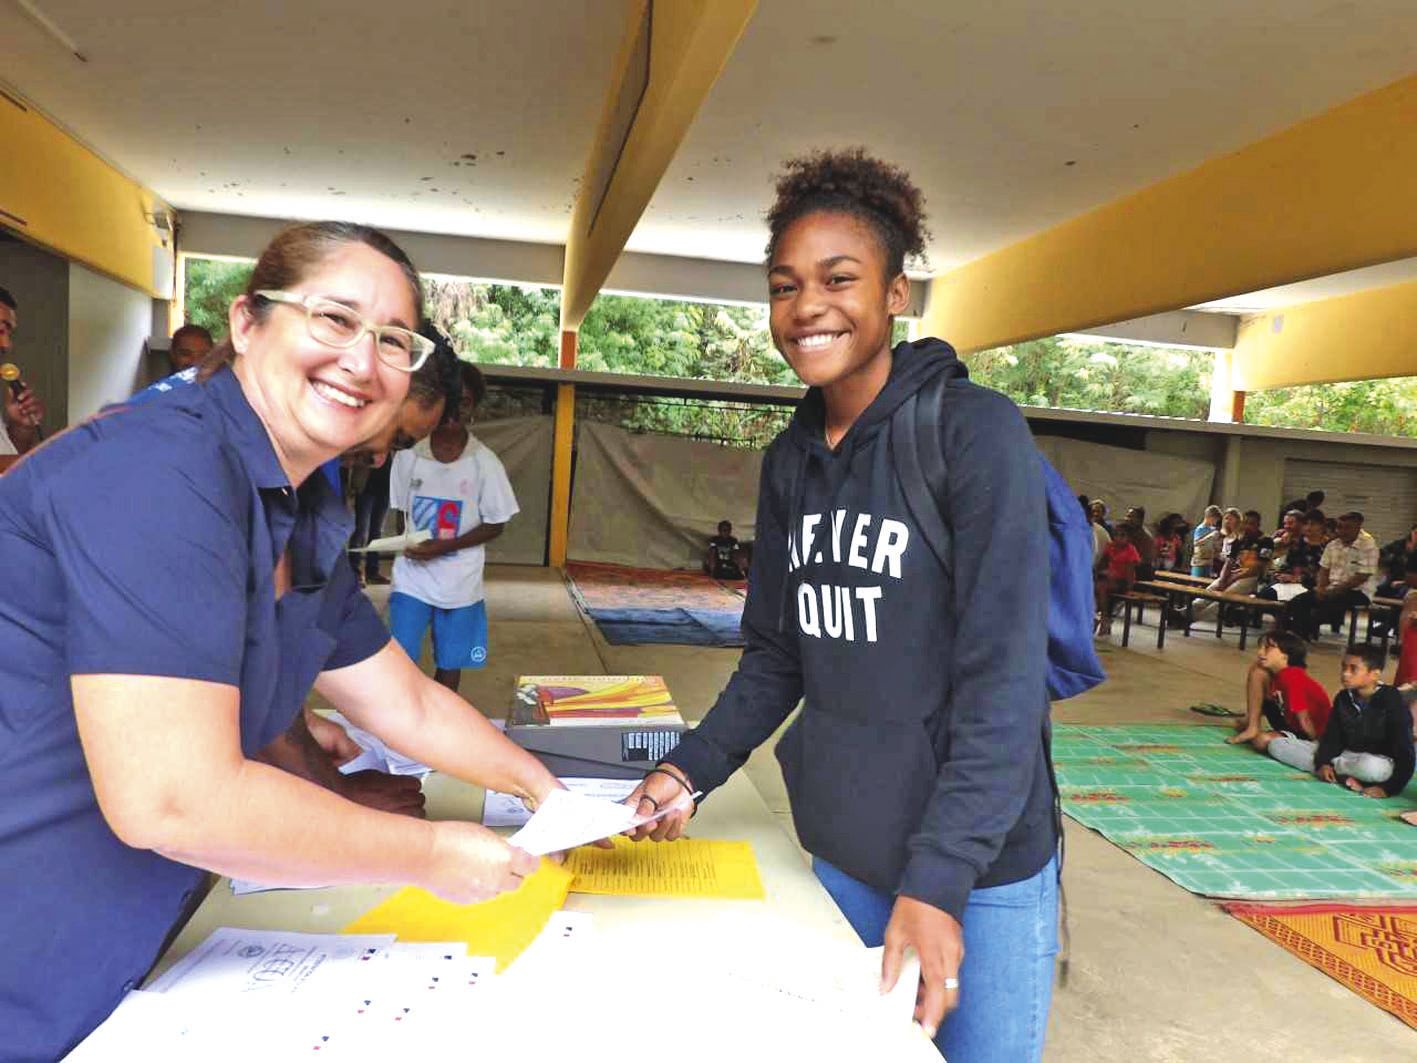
1386, 495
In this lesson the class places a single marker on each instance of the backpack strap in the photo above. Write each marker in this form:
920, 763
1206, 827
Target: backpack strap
916, 445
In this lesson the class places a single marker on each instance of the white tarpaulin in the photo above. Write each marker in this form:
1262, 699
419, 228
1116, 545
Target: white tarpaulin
1124, 478
524, 446
654, 501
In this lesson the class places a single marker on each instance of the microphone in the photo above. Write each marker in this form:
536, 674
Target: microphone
10, 373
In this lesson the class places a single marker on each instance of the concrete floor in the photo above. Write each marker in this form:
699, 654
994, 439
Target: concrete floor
1155, 973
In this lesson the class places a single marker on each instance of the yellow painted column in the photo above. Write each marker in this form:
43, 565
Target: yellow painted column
562, 448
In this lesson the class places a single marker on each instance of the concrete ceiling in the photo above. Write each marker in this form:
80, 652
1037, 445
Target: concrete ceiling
1012, 115
358, 109
1403, 271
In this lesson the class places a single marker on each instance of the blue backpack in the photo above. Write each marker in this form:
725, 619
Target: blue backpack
915, 434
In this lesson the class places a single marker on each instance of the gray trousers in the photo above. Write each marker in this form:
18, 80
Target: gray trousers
1368, 768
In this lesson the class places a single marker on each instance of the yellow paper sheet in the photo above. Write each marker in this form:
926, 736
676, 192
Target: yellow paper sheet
689, 867
500, 927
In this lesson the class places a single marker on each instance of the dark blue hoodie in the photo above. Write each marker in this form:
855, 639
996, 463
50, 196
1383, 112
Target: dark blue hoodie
919, 763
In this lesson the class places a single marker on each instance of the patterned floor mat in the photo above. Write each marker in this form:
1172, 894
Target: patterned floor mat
636, 606
1372, 951
1224, 821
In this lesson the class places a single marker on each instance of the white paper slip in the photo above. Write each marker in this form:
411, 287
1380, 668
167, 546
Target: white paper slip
232, 962
507, 810
394, 544
567, 819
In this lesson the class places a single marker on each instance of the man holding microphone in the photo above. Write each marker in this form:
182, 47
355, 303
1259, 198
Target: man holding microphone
20, 408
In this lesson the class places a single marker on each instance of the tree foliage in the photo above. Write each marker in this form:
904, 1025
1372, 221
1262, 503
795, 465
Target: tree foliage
1111, 377
211, 286
511, 325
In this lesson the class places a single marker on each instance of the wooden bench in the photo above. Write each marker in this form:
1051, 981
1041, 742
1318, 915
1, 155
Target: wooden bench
1139, 600
1392, 607
1251, 608
1184, 577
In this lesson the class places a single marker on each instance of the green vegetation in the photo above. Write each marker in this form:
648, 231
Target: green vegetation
509, 325
211, 285
1112, 377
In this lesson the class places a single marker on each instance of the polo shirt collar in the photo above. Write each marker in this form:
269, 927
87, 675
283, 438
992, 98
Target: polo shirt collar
246, 430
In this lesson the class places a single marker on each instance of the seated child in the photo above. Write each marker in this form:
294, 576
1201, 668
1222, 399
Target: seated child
1116, 573
1279, 688
1367, 744
723, 560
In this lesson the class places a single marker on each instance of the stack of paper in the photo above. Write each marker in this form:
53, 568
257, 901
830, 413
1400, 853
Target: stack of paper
246, 994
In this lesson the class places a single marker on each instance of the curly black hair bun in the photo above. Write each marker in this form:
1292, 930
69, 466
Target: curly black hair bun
852, 182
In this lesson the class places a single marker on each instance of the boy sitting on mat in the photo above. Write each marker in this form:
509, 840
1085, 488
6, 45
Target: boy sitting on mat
1367, 744
1279, 688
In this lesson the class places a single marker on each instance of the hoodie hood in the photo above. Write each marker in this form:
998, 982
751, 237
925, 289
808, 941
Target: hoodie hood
912, 364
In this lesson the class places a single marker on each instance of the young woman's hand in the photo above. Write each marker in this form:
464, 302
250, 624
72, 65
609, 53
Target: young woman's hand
939, 942
1327, 774
666, 788
470, 863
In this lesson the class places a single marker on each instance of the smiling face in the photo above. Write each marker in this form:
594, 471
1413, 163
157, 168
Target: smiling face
830, 302
315, 400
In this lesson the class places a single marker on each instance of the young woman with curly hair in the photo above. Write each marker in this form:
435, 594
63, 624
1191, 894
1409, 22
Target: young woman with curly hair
918, 768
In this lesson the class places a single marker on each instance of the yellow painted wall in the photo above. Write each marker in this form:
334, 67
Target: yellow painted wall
1352, 337
690, 42
1333, 193
59, 194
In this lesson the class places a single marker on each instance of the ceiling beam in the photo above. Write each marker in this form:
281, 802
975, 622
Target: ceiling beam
1332, 193
1362, 336
673, 52
1176, 328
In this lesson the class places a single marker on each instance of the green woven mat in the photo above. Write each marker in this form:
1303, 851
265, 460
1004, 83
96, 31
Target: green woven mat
1225, 821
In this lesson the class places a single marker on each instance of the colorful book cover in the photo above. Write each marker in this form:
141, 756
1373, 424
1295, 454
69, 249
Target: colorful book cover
594, 699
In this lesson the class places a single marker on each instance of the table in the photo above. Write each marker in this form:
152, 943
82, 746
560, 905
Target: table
735, 812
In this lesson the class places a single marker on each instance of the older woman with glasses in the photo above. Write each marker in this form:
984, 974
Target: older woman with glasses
175, 586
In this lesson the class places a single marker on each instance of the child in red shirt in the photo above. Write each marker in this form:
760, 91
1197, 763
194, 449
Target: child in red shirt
1116, 573
1279, 688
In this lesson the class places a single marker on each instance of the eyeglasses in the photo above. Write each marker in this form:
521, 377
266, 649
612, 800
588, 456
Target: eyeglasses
336, 325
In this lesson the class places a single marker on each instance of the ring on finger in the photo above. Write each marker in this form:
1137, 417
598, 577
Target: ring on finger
951, 983
651, 800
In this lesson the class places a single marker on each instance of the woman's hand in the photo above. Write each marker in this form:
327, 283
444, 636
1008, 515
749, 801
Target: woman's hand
939, 942
1327, 774
666, 787
469, 863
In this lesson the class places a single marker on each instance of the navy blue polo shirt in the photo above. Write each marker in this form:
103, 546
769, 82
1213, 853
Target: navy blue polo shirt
141, 542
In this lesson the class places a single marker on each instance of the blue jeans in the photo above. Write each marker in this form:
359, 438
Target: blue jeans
1006, 981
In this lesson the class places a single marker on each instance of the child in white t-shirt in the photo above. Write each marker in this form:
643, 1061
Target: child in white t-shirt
456, 488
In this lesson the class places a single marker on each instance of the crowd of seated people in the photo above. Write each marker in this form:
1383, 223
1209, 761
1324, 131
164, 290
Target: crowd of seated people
1318, 567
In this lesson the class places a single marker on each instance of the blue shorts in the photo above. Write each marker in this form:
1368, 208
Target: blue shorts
459, 635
